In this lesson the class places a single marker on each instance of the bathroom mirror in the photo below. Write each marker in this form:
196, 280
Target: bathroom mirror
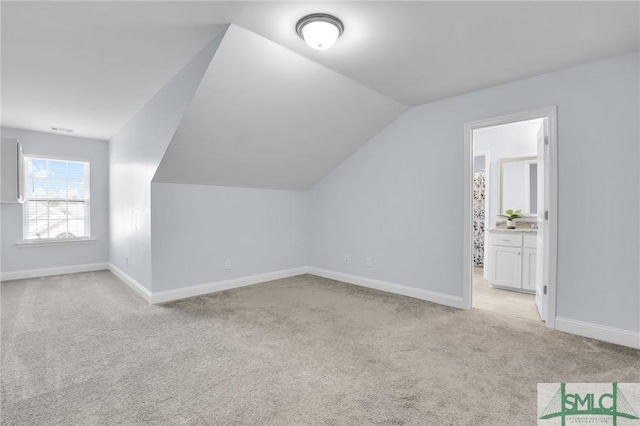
519, 185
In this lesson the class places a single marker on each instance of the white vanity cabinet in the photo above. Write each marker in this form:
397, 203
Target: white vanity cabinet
512, 260
529, 260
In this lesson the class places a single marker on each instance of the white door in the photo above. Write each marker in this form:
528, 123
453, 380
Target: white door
543, 229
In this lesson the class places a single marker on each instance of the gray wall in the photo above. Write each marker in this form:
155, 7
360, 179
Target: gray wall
25, 258
478, 163
134, 155
399, 198
195, 228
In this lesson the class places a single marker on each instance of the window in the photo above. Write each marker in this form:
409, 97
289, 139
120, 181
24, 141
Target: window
56, 204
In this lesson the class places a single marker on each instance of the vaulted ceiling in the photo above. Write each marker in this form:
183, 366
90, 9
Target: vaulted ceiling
267, 101
91, 66
264, 116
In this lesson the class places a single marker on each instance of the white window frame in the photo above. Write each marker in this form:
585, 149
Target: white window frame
87, 202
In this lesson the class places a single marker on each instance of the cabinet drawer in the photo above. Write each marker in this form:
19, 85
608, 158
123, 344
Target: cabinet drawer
531, 241
508, 240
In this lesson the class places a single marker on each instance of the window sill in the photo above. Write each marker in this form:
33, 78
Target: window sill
46, 243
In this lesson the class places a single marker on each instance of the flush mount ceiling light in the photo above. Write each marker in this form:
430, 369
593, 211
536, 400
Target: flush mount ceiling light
319, 30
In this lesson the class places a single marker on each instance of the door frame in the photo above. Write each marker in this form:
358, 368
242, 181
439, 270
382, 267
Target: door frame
550, 113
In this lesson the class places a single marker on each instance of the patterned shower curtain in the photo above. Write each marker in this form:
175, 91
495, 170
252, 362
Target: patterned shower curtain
478, 218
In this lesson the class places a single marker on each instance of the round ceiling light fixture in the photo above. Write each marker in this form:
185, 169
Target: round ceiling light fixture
319, 30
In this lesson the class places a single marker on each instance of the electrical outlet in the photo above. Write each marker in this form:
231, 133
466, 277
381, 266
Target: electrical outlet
227, 264
126, 260
347, 260
368, 262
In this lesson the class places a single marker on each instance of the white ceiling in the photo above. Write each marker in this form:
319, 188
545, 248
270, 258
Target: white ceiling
266, 117
91, 66
421, 51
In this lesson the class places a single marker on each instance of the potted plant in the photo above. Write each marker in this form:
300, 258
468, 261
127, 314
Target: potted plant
511, 217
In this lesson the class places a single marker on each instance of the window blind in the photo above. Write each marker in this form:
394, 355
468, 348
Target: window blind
56, 204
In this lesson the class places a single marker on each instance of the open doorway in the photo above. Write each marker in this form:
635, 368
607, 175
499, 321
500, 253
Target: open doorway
511, 170
504, 259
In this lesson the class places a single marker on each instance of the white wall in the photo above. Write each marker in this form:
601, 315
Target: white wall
16, 258
506, 141
135, 153
399, 198
196, 228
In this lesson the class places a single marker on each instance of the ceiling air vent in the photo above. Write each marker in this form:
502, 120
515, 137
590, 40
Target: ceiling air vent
61, 129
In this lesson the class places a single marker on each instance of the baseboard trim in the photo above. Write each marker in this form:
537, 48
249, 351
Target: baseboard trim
135, 285
599, 332
200, 289
48, 272
595, 331
417, 293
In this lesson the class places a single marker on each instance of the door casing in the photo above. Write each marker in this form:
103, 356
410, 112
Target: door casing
550, 113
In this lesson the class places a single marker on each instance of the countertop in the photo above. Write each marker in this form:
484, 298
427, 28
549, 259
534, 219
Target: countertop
518, 230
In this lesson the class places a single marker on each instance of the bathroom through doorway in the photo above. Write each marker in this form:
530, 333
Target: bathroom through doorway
508, 201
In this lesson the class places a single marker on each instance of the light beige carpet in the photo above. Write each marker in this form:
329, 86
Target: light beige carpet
84, 349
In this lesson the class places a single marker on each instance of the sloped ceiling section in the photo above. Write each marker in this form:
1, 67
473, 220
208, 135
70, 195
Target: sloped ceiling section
91, 66
266, 117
